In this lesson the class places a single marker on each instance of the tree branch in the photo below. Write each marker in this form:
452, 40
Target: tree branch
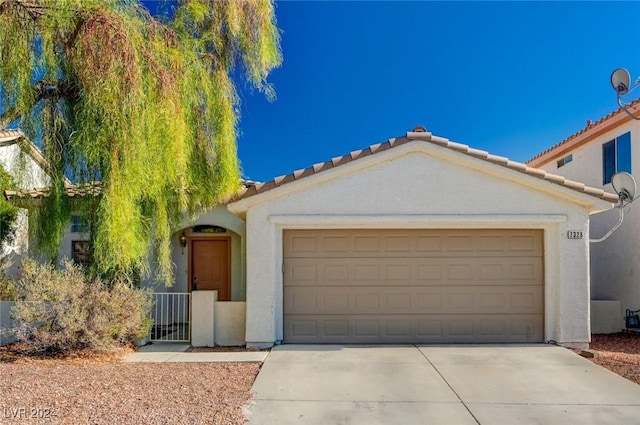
47, 90
42, 90
9, 116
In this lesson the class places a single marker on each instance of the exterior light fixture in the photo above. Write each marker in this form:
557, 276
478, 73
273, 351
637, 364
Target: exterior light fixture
183, 241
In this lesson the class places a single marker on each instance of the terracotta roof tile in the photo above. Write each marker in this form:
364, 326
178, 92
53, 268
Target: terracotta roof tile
91, 189
374, 148
517, 166
7, 135
498, 159
426, 137
86, 189
478, 153
356, 154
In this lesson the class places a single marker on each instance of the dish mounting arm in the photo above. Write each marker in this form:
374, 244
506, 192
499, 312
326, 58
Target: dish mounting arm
614, 228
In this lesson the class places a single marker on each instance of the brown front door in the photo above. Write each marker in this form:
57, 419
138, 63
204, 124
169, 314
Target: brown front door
211, 266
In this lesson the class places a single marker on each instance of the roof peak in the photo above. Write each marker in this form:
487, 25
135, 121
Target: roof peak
420, 135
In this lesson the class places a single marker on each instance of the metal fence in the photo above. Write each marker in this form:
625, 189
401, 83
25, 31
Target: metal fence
171, 317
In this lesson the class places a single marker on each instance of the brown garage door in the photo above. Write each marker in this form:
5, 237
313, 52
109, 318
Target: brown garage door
413, 286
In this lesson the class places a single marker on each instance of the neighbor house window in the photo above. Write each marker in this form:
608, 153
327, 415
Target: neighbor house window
616, 157
80, 252
564, 161
79, 224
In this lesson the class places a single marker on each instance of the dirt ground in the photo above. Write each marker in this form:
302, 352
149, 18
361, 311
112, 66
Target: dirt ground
619, 353
90, 389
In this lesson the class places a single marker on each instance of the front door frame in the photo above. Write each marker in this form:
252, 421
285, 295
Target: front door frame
190, 257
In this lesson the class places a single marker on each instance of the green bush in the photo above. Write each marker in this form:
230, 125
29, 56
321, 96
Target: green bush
60, 310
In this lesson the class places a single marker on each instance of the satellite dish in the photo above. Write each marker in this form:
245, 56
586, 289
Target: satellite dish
625, 186
620, 81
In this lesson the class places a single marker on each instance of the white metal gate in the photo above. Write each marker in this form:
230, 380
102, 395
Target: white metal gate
171, 317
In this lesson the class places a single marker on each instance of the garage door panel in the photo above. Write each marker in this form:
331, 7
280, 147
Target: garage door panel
420, 286
412, 271
413, 300
398, 242
418, 329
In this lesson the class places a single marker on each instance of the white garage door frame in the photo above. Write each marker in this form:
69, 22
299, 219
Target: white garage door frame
550, 225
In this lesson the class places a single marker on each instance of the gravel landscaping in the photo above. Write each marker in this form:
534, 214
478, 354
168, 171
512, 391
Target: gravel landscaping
100, 390
619, 353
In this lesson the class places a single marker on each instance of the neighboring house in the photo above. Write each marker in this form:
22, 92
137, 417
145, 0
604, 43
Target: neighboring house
29, 171
592, 156
415, 240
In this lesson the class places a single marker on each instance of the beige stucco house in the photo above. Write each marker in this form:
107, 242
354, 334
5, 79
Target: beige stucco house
414, 240
608, 145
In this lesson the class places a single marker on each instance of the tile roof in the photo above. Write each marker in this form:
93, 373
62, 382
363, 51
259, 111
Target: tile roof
10, 135
74, 190
419, 134
593, 129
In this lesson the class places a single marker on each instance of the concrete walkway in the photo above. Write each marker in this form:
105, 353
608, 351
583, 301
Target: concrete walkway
175, 353
466, 385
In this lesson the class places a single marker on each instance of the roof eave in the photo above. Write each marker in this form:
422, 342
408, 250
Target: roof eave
593, 199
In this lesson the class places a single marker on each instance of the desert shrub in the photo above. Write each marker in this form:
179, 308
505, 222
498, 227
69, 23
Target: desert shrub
64, 309
7, 285
7, 289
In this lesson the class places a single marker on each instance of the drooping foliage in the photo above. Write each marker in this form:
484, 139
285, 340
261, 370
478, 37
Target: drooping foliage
8, 212
147, 107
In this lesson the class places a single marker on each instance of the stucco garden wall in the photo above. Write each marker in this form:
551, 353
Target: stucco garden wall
419, 186
5, 322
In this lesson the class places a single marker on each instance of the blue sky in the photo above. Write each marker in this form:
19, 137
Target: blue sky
512, 78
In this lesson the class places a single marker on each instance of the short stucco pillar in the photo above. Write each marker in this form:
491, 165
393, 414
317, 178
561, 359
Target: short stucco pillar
203, 318
230, 323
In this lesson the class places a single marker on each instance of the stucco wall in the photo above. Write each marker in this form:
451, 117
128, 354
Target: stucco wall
418, 187
615, 263
27, 174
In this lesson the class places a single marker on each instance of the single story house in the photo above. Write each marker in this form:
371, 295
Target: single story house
414, 240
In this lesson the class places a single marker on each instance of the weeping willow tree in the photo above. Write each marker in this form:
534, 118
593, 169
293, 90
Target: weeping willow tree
147, 107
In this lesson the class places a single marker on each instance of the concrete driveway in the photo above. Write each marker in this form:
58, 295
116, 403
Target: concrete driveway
371, 385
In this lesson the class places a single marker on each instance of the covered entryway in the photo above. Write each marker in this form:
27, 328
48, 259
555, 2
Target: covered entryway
413, 286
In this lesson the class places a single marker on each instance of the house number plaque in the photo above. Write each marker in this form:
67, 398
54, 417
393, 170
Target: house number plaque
575, 234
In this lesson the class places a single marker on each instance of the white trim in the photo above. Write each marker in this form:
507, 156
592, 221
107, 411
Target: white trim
426, 221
